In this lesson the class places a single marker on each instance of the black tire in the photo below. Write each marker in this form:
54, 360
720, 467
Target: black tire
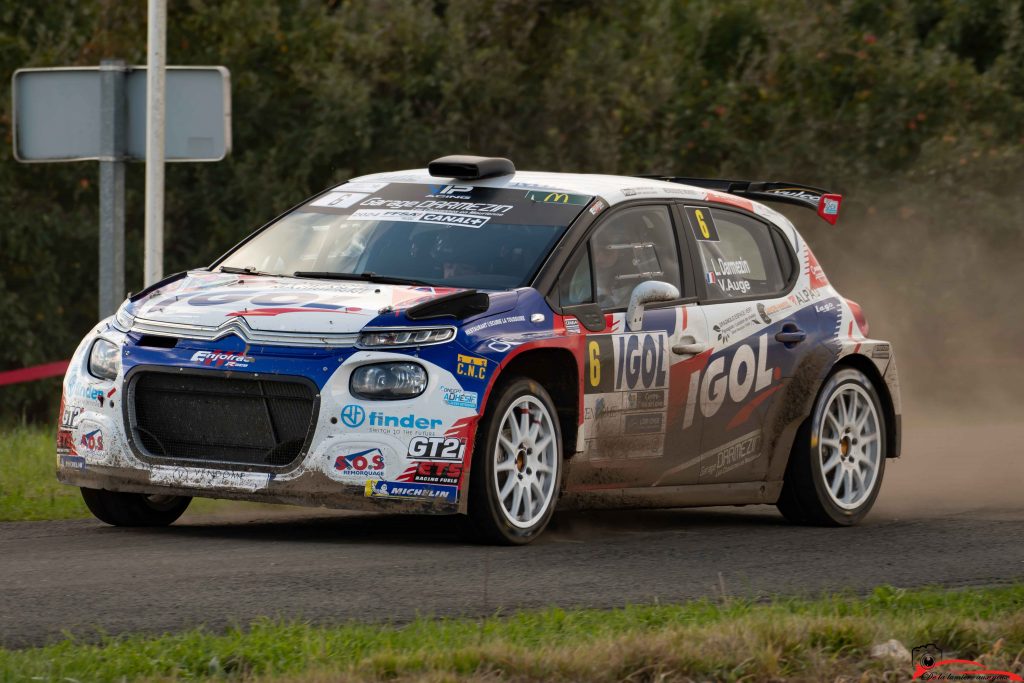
806, 496
134, 509
488, 521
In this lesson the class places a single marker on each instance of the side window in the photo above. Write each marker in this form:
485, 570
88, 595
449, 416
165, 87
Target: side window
577, 286
629, 247
737, 254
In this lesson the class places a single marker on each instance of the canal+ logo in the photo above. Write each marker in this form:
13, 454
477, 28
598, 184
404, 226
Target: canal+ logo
352, 415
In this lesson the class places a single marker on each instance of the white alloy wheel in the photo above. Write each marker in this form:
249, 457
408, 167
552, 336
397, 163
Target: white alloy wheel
526, 462
850, 446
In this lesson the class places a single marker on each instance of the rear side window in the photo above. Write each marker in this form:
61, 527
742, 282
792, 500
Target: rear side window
737, 253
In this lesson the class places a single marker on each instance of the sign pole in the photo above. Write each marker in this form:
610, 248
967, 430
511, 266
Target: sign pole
155, 110
112, 166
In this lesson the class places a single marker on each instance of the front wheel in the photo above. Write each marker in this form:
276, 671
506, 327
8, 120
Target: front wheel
134, 509
517, 465
838, 459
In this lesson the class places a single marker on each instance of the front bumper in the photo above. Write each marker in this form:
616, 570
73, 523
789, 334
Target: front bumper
363, 455
308, 489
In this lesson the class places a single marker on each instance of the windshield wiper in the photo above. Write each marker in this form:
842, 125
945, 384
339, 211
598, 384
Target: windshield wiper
367, 277
248, 270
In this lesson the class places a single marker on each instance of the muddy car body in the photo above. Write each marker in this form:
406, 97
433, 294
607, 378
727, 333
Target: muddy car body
471, 339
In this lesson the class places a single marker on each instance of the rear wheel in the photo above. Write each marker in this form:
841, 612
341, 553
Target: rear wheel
838, 459
134, 509
517, 465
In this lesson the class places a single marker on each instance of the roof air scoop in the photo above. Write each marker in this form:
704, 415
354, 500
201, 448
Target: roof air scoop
463, 167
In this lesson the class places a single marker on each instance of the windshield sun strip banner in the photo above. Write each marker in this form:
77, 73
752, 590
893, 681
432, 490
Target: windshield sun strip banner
458, 205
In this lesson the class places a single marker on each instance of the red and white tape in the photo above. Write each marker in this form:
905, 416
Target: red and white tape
35, 372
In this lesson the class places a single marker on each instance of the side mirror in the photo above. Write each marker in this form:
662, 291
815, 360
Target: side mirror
647, 293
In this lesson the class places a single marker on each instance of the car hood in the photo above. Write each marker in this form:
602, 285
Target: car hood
276, 304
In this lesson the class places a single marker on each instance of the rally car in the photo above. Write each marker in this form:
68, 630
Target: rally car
469, 339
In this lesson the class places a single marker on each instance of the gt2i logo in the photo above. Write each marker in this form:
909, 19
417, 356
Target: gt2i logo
227, 359
69, 416
731, 378
471, 366
368, 463
436, 448
92, 441
626, 362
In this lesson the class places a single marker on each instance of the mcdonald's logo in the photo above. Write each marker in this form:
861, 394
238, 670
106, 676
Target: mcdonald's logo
558, 198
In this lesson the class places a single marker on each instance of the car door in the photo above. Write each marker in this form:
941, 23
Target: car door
632, 407
746, 270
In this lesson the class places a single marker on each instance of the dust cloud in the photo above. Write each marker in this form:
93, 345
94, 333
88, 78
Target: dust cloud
946, 292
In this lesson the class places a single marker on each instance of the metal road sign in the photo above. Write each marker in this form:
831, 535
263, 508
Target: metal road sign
58, 114
99, 113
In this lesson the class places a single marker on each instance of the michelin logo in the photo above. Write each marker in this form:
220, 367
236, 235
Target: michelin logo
376, 488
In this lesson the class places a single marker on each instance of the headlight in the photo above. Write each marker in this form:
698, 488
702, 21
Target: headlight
388, 381
411, 336
123, 320
104, 359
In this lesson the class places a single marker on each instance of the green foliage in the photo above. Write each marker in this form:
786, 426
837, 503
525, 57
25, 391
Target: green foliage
29, 489
28, 484
798, 639
926, 97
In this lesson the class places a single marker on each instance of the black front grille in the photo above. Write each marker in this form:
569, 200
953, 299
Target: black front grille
215, 419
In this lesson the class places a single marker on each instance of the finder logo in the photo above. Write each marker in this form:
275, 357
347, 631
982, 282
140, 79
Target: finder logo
352, 415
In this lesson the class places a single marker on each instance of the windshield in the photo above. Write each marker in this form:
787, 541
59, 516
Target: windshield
448, 235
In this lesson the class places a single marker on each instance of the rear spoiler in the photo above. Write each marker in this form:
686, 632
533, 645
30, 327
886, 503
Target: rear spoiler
822, 201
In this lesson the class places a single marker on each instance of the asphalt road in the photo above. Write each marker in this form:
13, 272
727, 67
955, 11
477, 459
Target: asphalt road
87, 578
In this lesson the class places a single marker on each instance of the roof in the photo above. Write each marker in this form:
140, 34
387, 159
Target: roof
613, 189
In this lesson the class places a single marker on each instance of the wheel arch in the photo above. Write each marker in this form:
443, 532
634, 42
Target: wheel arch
556, 369
864, 364
804, 393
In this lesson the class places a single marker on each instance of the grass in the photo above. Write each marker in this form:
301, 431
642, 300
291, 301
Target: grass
784, 640
29, 489
28, 484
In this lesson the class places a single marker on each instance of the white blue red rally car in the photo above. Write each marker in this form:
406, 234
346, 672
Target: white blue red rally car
472, 339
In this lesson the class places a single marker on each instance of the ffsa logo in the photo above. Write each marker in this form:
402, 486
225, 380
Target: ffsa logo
733, 378
451, 191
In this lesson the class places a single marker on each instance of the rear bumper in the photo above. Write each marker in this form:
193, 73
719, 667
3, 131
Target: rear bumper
897, 438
